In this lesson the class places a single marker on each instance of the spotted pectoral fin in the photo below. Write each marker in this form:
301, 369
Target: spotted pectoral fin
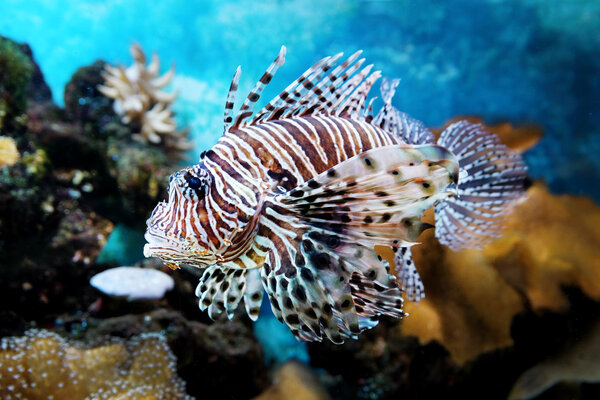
408, 276
378, 196
222, 289
319, 290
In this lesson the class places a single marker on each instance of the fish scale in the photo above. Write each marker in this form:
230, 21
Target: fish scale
294, 198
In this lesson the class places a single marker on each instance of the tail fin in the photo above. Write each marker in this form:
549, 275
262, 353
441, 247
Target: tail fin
492, 177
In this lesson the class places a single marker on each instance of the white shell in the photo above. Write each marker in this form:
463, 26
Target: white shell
133, 282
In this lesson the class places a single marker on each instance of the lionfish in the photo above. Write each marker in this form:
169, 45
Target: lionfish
293, 198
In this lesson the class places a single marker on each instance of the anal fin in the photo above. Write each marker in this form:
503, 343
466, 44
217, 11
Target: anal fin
408, 276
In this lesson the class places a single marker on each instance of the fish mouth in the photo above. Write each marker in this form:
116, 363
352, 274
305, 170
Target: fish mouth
175, 250
158, 245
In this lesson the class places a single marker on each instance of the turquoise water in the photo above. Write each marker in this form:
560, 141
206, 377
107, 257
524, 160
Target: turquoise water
523, 61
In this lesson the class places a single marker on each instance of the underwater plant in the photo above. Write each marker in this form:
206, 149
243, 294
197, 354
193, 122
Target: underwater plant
294, 198
15, 72
42, 365
139, 100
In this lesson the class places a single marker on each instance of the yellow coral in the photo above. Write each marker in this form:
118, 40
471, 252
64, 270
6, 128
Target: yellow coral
472, 295
9, 154
138, 98
294, 381
42, 365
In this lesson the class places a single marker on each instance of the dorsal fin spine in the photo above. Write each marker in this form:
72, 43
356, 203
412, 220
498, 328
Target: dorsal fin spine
247, 108
349, 86
332, 94
322, 90
230, 103
302, 97
281, 97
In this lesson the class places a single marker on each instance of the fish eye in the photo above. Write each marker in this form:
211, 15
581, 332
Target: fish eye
193, 182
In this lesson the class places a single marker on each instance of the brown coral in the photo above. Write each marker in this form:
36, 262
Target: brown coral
138, 99
42, 365
472, 295
9, 154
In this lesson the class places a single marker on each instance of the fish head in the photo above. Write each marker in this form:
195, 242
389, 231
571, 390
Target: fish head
178, 231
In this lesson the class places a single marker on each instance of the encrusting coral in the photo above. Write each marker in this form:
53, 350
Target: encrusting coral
42, 365
9, 154
472, 296
549, 242
139, 100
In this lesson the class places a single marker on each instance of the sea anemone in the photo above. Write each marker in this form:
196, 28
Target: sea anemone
139, 100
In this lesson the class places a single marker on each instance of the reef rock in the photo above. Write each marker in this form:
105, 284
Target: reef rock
220, 360
576, 363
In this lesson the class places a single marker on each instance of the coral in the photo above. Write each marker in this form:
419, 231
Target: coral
139, 100
133, 282
15, 72
294, 381
8, 151
472, 296
42, 365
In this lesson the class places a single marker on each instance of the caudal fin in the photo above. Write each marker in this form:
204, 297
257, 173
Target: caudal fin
492, 178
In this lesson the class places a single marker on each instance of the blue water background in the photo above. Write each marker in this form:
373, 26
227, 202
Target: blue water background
523, 61
529, 61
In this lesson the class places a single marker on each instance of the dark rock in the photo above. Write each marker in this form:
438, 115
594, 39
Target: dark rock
84, 103
222, 360
37, 89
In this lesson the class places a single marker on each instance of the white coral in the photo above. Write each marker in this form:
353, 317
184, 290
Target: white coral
138, 99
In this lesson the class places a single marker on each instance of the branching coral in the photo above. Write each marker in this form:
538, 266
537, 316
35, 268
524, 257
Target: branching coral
139, 100
9, 154
42, 365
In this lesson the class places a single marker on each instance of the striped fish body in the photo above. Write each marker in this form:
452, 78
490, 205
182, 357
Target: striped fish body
292, 200
289, 152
